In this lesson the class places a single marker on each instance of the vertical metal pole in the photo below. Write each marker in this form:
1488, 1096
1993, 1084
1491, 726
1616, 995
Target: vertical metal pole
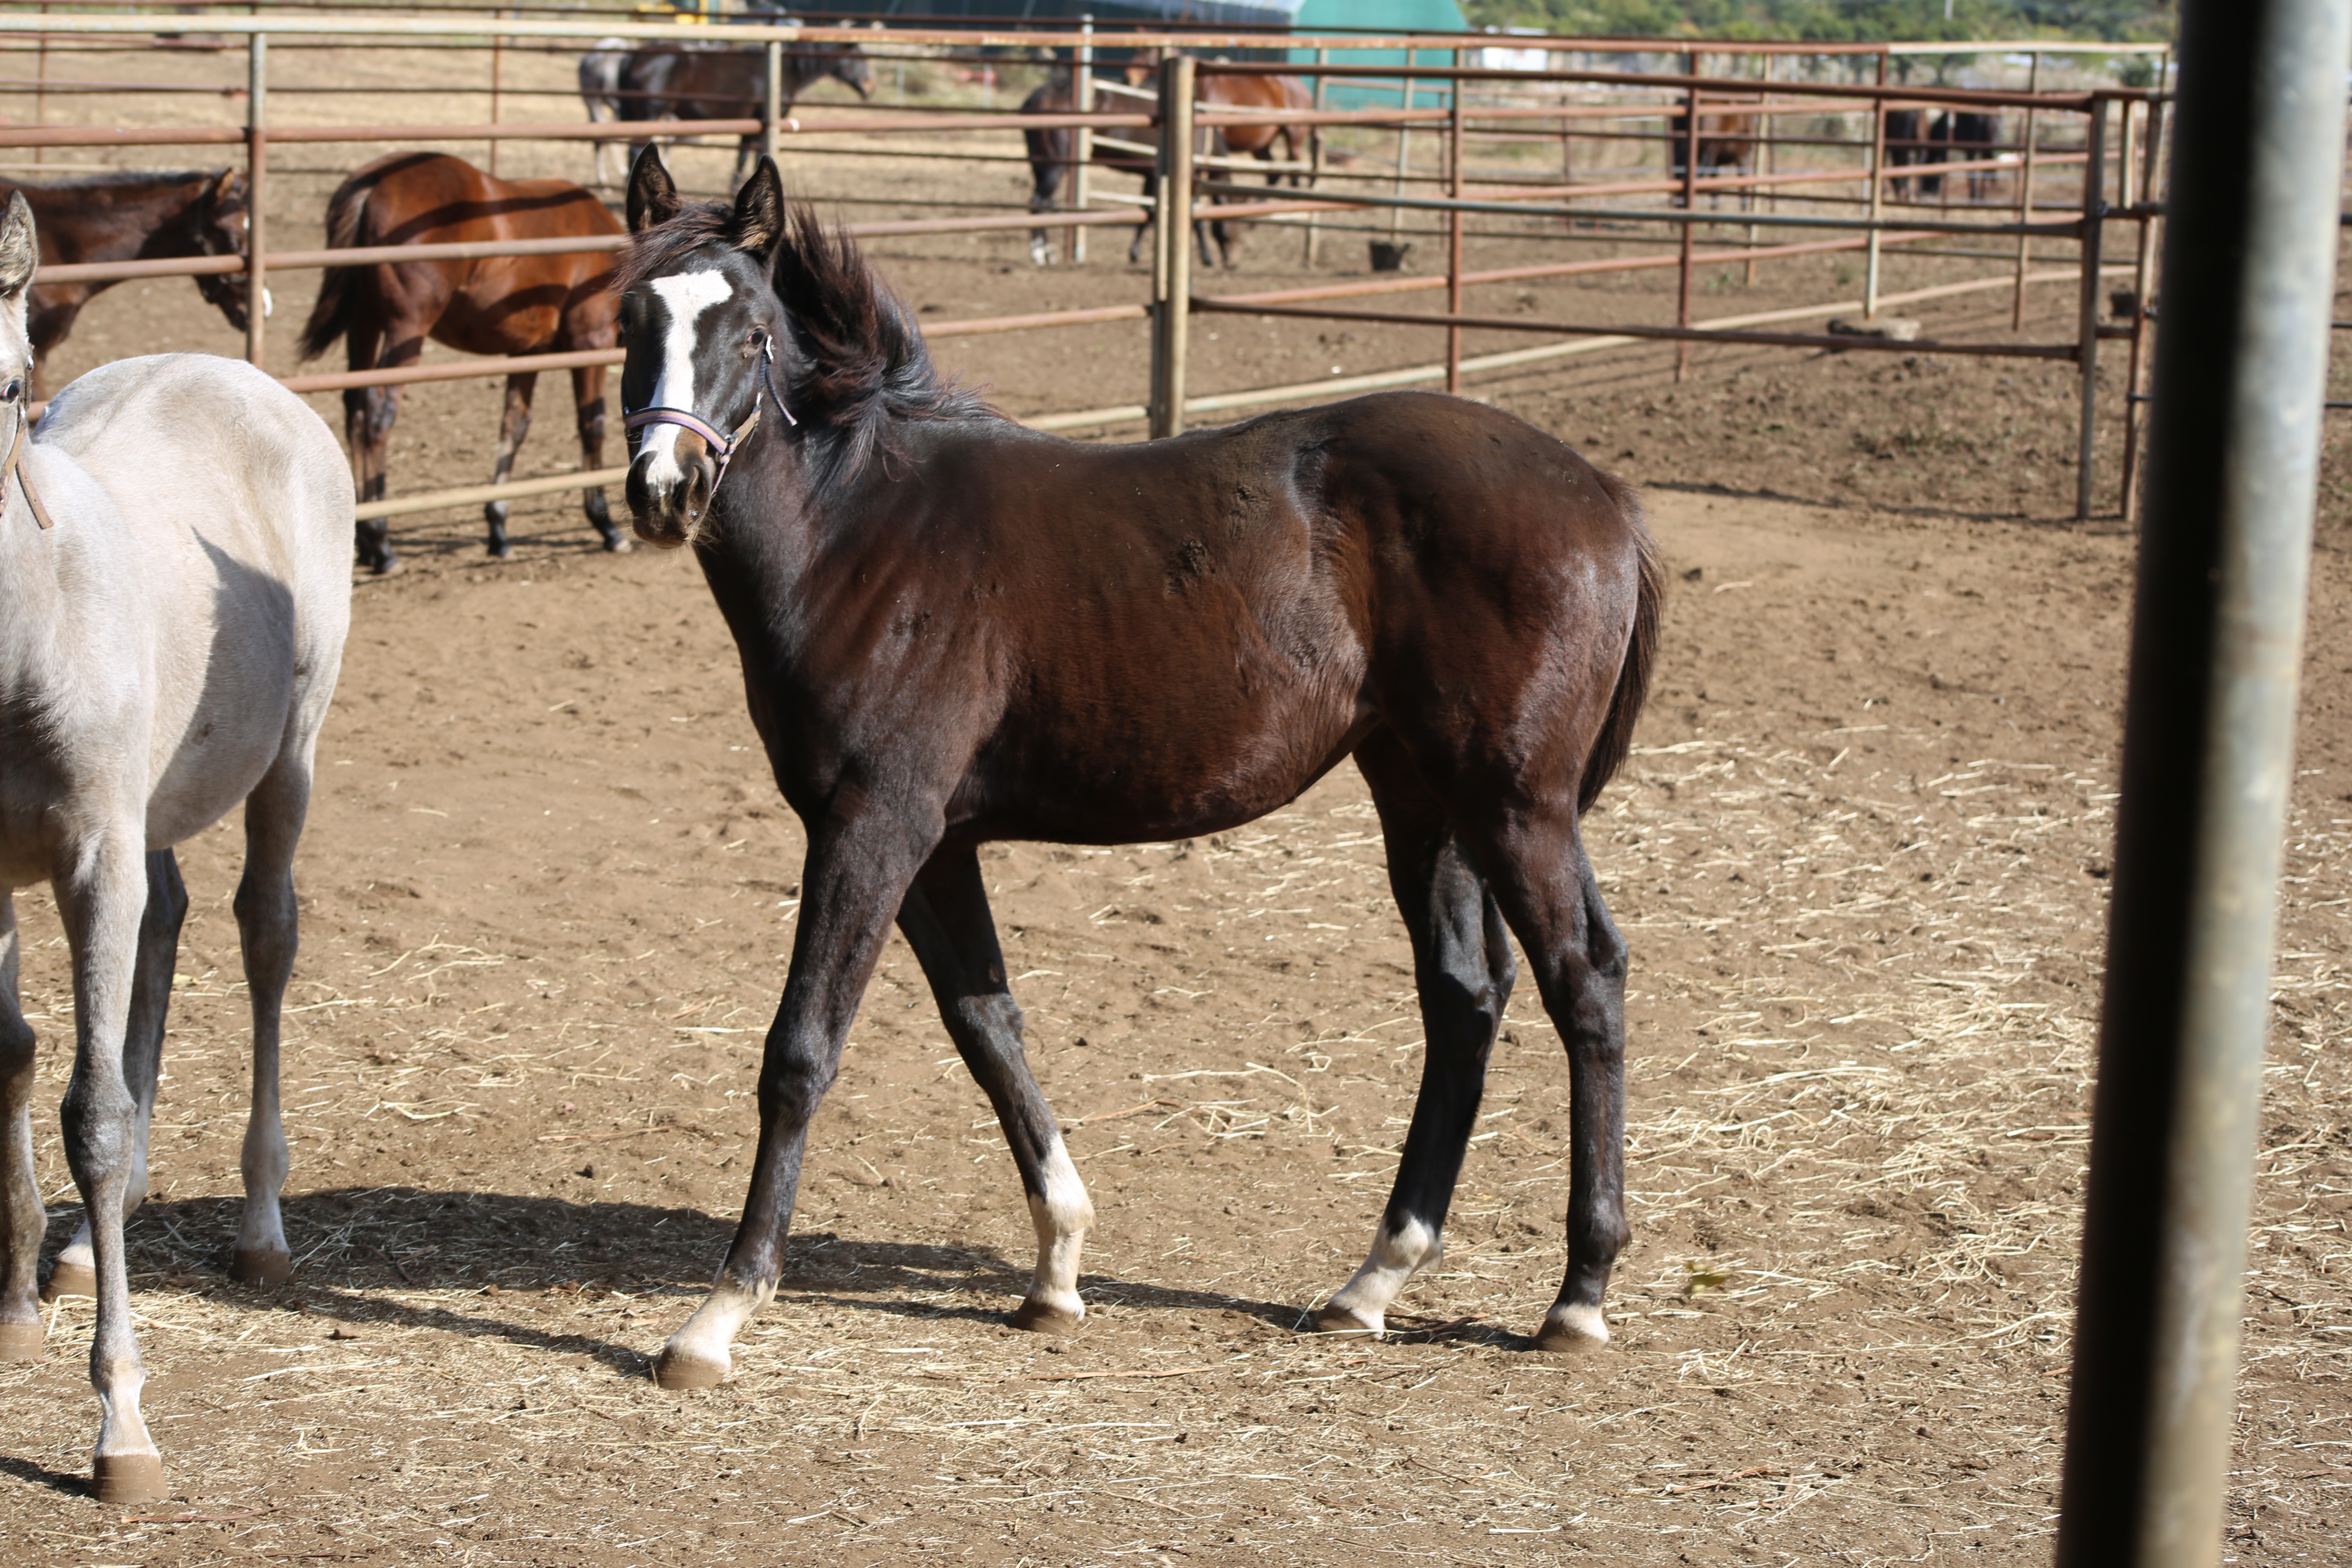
41, 85
1173, 317
2208, 763
1877, 195
256, 196
2087, 321
2025, 197
497, 70
771, 102
1082, 139
2154, 137
1315, 156
1404, 156
1759, 153
1454, 145
1690, 213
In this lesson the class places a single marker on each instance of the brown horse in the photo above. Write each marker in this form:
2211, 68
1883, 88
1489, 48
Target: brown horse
493, 305
1052, 150
125, 218
1726, 142
955, 630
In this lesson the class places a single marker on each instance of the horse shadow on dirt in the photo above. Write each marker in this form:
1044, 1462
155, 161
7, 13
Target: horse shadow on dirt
355, 1248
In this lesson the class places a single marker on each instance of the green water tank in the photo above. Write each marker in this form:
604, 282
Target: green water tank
1340, 16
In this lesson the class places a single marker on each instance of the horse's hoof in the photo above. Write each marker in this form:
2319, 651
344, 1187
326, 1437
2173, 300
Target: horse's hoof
1573, 1331
1044, 1317
129, 1479
70, 1279
501, 552
679, 1369
20, 1342
1328, 1320
259, 1266
386, 567
616, 544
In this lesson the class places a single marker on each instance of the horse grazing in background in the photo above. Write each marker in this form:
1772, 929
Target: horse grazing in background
1726, 142
492, 305
1134, 150
131, 217
709, 81
174, 590
955, 630
1967, 136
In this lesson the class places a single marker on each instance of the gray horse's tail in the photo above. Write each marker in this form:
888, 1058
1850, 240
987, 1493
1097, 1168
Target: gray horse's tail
332, 315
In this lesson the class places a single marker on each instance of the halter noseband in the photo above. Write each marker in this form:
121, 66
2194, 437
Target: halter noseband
724, 447
12, 468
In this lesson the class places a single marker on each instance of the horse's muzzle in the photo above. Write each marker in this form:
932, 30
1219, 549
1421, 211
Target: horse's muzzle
669, 493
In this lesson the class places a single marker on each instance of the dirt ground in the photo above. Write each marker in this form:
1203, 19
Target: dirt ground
1859, 854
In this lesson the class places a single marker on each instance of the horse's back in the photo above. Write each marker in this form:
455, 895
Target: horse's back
232, 500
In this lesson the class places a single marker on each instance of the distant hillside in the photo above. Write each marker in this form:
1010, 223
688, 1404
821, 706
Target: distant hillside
1835, 21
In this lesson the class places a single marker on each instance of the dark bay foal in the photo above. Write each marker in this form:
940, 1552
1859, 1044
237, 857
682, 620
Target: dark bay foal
133, 217
954, 630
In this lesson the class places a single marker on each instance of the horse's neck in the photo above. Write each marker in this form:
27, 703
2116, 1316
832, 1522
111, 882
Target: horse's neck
131, 223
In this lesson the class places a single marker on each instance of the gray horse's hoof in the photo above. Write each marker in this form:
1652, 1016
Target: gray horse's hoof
1042, 1318
255, 1266
672, 1370
70, 1279
1340, 1321
129, 1479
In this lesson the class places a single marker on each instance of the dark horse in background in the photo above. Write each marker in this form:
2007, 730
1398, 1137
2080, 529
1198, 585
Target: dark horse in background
708, 81
1053, 150
125, 218
491, 305
955, 630
1914, 138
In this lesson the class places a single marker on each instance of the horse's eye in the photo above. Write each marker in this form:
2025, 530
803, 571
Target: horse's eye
14, 390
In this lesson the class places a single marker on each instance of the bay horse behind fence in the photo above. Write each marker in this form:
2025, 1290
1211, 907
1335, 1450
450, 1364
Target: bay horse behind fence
137, 216
1726, 143
489, 305
955, 630
174, 592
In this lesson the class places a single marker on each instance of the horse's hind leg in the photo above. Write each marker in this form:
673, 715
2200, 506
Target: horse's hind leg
265, 924
513, 425
1463, 972
21, 1210
73, 1273
99, 897
947, 922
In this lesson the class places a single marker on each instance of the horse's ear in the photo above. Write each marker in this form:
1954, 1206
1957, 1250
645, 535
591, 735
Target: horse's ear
228, 186
20, 251
653, 194
759, 209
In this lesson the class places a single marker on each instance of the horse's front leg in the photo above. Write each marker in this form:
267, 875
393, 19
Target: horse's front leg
947, 922
513, 425
856, 876
101, 896
588, 406
75, 1271
21, 1211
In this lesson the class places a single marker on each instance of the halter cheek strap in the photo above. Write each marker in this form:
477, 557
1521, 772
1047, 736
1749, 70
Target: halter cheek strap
724, 447
14, 469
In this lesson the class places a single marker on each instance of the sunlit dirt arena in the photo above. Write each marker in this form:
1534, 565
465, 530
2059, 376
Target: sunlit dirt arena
1860, 856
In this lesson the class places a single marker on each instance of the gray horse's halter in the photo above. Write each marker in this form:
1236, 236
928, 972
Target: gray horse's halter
12, 468
725, 446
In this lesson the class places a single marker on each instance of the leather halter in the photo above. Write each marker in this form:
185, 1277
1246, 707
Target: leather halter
14, 467
723, 446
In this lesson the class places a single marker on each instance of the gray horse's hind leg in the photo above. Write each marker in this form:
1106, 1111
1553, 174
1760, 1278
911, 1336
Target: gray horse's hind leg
21, 1212
100, 900
513, 425
266, 922
74, 1272
1463, 970
945, 921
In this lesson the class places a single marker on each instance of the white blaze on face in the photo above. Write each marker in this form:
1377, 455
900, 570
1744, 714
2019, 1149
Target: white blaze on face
687, 295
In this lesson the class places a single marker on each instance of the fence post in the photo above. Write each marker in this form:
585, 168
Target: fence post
257, 198
497, 70
1877, 195
1082, 139
1690, 211
1760, 158
2250, 243
2025, 197
772, 106
1175, 223
2086, 324
1315, 157
1453, 221
2154, 138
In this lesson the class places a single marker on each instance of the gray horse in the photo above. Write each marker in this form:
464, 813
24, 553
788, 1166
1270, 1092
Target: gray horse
175, 557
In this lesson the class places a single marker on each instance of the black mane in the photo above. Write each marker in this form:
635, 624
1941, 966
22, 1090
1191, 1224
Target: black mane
128, 179
861, 366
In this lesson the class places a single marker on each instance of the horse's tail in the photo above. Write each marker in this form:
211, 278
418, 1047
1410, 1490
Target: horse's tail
1616, 738
331, 316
